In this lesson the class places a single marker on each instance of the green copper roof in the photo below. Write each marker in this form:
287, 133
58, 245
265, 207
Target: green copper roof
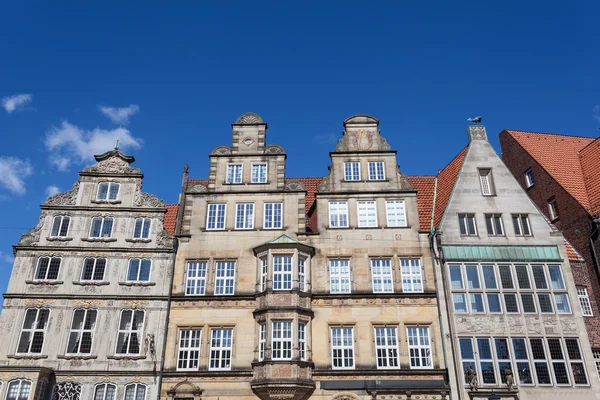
283, 239
501, 253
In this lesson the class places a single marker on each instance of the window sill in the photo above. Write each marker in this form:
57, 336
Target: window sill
138, 240
34, 282
27, 356
101, 240
106, 201
137, 283
91, 283
365, 180
76, 357
59, 239
126, 357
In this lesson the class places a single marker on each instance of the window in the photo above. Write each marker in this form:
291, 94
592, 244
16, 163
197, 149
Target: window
105, 391
189, 349
302, 341
139, 270
135, 391
576, 361
494, 304
539, 276
60, 226
301, 273
342, 348
244, 216
529, 181
381, 270
101, 227
511, 304
282, 272
281, 340
338, 214
486, 361
259, 173
352, 171
107, 191
410, 269
485, 178
18, 390
562, 303
596, 354
584, 301
456, 281
419, 347
493, 223
82, 332
559, 366
196, 278
545, 303
467, 224
339, 276
503, 356
264, 272
234, 173
556, 277
540, 362
142, 228
33, 331
522, 359
47, 268
273, 216
225, 277
130, 332
376, 171
367, 214
460, 304
467, 355
215, 218
528, 302
396, 213
386, 347
93, 269
521, 224
553, 209
262, 341
220, 349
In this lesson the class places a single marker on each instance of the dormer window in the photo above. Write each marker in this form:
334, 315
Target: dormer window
485, 179
107, 191
529, 178
234, 173
376, 171
259, 173
352, 171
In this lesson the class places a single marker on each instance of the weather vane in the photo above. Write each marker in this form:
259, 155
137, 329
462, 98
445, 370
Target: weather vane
475, 120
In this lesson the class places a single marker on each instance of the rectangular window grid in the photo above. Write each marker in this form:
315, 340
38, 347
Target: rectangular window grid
195, 284
264, 271
486, 182
338, 214
101, 227
262, 341
301, 273
259, 173
352, 171
273, 216
342, 348
189, 349
412, 281
339, 276
60, 226
302, 341
82, 332
467, 225
376, 171
225, 277
244, 216
584, 301
386, 347
553, 209
381, 270
521, 225
281, 345
33, 331
529, 181
395, 213
107, 191
93, 269
215, 218
493, 223
419, 347
234, 173
130, 332
221, 342
367, 214
47, 268
139, 270
142, 228
282, 272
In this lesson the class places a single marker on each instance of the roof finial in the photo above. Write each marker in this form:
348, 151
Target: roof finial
117, 143
475, 120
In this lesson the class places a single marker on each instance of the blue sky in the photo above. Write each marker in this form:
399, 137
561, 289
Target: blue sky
169, 78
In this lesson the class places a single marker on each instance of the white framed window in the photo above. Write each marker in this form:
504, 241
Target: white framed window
576, 363
493, 223
467, 225
395, 213
47, 268
188, 354
524, 372
139, 270
93, 269
105, 391
558, 361
225, 278
367, 214
521, 225
33, 331
215, 217
60, 226
540, 361
131, 327
142, 228
264, 273
376, 171
352, 171
467, 355
101, 227
302, 341
502, 356
486, 361
529, 181
259, 173
342, 348
234, 173
108, 191
281, 340
412, 281
584, 301
553, 209
419, 347
81, 336
221, 344
262, 341
244, 216
596, 354
18, 389
301, 273
562, 303
545, 302
339, 276
195, 284
273, 216
381, 271
386, 347
485, 179
338, 214
135, 391
282, 272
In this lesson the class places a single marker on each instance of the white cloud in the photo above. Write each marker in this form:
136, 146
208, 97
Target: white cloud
326, 138
13, 172
69, 143
52, 190
596, 112
7, 258
119, 115
16, 102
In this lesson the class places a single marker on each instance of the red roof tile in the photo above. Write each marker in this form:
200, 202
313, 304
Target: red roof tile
445, 183
311, 185
572, 253
192, 181
425, 187
590, 165
171, 218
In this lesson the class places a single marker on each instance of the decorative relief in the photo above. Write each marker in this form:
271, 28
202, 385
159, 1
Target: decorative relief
198, 187
32, 237
64, 199
293, 186
274, 149
345, 396
534, 326
163, 240
67, 391
489, 325
515, 325
550, 325
249, 118
221, 150
87, 303
113, 164
147, 200
477, 132
334, 302
134, 304
39, 303
568, 326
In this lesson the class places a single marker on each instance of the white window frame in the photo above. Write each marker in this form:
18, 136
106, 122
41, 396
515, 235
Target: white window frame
491, 221
225, 281
235, 175
554, 361
257, 177
110, 185
94, 268
262, 340
529, 178
463, 223
270, 223
282, 336
105, 395
212, 221
59, 222
338, 213
485, 180
143, 233
519, 218
596, 354
584, 301
521, 360
188, 349
264, 272
338, 276
343, 349
395, 211
244, 216
367, 213
302, 341
50, 259
419, 347
301, 274
21, 394
279, 277
130, 332
575, 360
83, 330
139, 270
136, 388
412, 276
103, 235
386, 345
351, 171
545, 361
376, 170
195, 283
221, 351
380, 264
552, 209
33, 330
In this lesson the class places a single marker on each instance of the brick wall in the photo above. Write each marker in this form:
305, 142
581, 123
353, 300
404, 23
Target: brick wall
573, 220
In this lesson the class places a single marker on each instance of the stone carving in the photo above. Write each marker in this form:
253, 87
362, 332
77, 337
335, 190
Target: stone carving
68, 198
114, 164
39, 303
87, 303
147, 200
32, 237
149, 345
134, 304
345, 396
274, 149
293, 186
471, 377
249, 118
67, 391
198, 187
221, 150
324, 185
477, 132
404, 182
568, 326
508, 377
163, 240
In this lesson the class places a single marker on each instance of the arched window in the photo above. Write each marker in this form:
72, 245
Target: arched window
60, 226
47, 268
105, 391
142, 228
18, 389
107, 191
135, 391
139, 270
93, 269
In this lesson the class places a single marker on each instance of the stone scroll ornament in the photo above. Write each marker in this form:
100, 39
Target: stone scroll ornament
64, 199
32, 237
67, 391
113, 164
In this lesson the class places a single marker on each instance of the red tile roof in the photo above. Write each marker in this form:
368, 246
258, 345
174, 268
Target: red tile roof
311, 185
171, 218
445, 183
192, 181
573, 161
425, 187
572, 253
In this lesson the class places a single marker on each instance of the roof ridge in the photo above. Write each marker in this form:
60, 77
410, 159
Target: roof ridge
451, 161
549, 133
588, 145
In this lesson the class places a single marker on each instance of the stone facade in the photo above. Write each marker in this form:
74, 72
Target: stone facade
86, 305
271, 302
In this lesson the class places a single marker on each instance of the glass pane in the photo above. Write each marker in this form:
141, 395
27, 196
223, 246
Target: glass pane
472, 277
506, 277
460, 304
556, 277
455, 277
466, 348
489, 277
477, 302
522, 276
494, 302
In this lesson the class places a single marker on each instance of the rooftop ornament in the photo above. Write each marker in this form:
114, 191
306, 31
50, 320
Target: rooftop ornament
475, 120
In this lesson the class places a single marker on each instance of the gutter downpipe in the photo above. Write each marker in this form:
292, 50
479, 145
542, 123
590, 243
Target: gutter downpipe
595, 226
